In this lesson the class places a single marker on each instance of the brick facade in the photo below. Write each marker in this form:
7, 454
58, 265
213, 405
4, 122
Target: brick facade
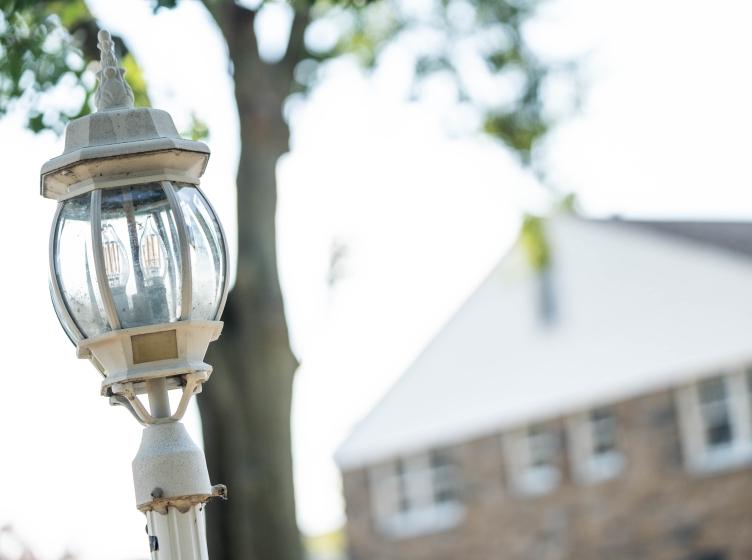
655, 509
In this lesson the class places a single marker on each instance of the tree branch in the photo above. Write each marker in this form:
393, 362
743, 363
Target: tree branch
296, 48
236, 23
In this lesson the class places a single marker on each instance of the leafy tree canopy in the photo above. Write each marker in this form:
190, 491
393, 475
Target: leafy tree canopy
48, 44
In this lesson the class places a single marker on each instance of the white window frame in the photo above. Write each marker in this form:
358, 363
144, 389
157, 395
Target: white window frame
588, 465
525, 478
698, 455
403, 496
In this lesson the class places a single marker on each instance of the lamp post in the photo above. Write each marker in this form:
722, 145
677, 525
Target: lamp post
138, 277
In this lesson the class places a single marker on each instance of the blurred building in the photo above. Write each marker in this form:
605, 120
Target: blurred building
601, 409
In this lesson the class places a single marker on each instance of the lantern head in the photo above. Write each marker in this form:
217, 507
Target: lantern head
138, 259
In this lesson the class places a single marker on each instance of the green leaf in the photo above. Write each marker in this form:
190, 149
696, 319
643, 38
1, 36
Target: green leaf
518, 129
71, 12
534, 242
198, 129
35, 123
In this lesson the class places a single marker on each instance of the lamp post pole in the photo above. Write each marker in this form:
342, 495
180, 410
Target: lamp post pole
138, 277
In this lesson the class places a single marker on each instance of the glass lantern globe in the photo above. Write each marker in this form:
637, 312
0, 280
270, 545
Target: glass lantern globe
135, 256
138, 277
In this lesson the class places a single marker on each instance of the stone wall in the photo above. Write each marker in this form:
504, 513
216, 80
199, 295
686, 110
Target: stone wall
654, 510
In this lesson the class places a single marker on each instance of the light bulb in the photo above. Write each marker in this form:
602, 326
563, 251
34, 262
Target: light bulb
153, 252
115, 258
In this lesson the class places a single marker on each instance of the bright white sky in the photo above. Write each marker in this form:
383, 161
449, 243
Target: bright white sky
664, 131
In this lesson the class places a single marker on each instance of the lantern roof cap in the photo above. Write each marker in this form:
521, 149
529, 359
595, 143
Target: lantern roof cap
118, 130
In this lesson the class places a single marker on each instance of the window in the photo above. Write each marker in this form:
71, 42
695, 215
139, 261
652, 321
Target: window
594, 447
716, 421
531, 456
715, 413
444, 479
416, 495
603, 426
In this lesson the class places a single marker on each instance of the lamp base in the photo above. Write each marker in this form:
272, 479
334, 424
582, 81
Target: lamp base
172, 487
169, 466
140, 354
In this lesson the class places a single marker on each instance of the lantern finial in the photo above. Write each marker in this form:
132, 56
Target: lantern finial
113, 92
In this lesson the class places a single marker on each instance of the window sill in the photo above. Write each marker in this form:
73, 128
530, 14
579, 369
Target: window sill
425, 521
537, 481
601, 468
722, 459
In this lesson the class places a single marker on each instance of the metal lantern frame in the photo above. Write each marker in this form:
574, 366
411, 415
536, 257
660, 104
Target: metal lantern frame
135, 149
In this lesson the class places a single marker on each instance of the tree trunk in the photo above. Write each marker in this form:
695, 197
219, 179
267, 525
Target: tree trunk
245, 408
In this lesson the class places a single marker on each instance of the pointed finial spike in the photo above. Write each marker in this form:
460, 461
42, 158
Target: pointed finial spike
113, 92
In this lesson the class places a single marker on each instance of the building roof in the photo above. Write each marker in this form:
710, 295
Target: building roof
639, 306
730, 236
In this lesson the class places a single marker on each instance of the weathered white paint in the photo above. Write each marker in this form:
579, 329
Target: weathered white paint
169, 465
178, 536
636, 311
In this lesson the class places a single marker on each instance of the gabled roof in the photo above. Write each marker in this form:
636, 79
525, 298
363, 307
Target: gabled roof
639, 306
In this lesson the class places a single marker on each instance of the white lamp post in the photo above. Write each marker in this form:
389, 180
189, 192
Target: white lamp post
138, 275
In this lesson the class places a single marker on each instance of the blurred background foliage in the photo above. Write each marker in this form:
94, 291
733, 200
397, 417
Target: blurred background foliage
48, 60
47, 44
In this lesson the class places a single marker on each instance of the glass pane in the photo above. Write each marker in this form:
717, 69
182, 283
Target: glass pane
543, 446
444, 478
74, 267
719, 434
207, 253
712, 390
716, 416
59, 312
603, 425
141, 255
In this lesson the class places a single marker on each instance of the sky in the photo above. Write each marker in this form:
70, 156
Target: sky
423, 211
